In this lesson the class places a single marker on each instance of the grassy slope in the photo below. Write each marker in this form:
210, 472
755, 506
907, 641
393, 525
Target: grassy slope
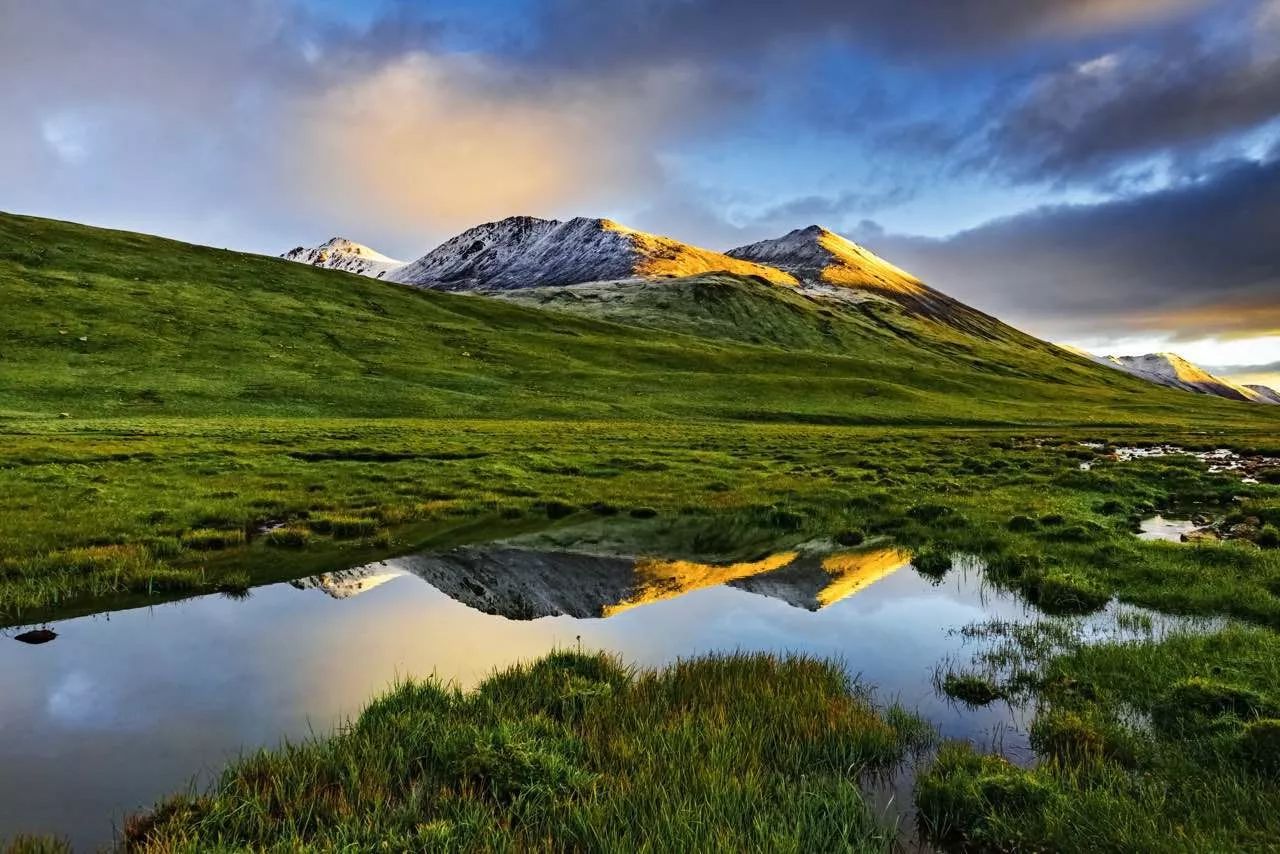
109, 324
215, 391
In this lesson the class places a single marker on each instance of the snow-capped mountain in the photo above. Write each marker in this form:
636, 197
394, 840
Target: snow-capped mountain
815, 254
1173, 371
527, 252
338, 253
826, 263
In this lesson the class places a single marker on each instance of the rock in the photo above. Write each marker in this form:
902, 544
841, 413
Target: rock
36, 636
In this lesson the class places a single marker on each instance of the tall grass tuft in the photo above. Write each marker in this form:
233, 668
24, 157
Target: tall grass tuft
573, 751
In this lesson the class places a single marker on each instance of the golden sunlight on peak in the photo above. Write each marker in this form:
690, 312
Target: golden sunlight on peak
852, 264
853, 571
662, 256
658, 579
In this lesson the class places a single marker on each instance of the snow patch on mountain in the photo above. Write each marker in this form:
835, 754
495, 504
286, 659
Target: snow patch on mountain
338, 253
1173, 371
527, 252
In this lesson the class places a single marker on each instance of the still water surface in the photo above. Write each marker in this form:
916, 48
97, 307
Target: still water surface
123, 708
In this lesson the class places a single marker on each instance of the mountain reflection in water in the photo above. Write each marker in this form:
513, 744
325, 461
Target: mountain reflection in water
522, 584
126, 706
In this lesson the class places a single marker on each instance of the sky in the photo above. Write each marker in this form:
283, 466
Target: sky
1104, 173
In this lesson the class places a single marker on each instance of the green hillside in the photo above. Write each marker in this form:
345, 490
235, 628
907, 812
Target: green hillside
162, 404
108, 324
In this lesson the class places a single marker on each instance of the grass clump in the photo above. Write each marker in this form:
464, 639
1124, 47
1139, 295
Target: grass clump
1260, 743
212, 539
343, 526
1022, 523
743, 752
1197, 703
851, 537
971, 688
932, 562
1059, 591
289, 536
1199, 777
969, 799
29, 844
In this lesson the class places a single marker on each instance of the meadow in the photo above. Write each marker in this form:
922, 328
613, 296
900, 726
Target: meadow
177, 420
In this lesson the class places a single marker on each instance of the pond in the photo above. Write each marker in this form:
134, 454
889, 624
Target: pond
122, 708
1168, 530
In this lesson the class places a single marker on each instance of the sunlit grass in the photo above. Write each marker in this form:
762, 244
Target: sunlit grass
744, 752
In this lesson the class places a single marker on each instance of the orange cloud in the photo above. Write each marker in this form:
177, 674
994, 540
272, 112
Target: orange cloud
445, 142
1238, 319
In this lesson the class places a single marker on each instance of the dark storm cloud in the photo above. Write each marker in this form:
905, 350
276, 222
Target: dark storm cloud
1193, 260
1174, 98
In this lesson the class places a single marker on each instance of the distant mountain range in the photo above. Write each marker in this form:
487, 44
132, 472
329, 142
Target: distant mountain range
1173, 371
524, 254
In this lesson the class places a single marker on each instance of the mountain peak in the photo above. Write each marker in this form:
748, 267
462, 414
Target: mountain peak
339, 253
1171, 370
525, 252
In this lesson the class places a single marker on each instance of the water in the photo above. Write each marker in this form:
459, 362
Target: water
1169, 530
123, 708
1218, 461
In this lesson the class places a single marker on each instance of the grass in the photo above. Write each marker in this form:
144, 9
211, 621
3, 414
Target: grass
182, 399
1166, 745
744, 752
178, 420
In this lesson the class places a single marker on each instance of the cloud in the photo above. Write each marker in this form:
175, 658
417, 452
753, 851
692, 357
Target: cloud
1176, 97
645, 31
1269, 368
1193, 260
254, 124
442, 142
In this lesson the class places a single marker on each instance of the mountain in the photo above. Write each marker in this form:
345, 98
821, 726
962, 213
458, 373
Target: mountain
527, 252
172, 330
1266, 393
1173, 371
338, 253
830, 265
